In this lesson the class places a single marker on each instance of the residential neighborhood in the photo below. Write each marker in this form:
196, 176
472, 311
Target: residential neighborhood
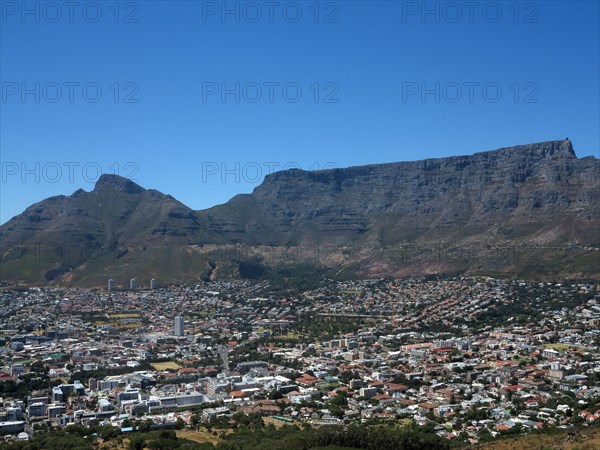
471, 358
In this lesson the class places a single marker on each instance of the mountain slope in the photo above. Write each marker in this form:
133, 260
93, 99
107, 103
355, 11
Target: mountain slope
61, 233
530, 210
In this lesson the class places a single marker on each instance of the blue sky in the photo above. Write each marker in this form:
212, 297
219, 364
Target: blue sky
201, 102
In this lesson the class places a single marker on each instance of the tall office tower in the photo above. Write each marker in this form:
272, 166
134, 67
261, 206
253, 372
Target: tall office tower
132, 283
178, 328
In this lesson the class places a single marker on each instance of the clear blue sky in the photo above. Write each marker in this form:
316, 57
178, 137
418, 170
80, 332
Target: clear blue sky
525, 74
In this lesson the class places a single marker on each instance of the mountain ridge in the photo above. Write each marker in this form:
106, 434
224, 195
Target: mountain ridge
536, 195
564, 147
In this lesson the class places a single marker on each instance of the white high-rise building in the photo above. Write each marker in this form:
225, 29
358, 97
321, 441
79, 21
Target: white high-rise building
178, 326
153, 284
111, 284
132, 284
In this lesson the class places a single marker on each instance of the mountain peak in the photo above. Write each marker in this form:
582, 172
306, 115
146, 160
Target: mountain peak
568, 146
112, 182
555, 148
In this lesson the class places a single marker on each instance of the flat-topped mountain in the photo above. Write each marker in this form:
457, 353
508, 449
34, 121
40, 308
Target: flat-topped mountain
530, 210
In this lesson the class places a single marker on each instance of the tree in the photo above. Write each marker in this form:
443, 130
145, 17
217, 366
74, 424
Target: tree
108, 432
195, 419
275, 395
137, 443
335, 410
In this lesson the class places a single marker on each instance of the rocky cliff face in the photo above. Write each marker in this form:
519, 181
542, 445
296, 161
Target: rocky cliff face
531, 210
516, 186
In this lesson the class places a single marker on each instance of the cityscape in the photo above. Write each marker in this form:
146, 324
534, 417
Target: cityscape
470, 359
299, 225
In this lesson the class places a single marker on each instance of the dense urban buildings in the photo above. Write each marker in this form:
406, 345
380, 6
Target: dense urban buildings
470, 358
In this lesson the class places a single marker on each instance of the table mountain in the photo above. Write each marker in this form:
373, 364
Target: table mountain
530, 211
